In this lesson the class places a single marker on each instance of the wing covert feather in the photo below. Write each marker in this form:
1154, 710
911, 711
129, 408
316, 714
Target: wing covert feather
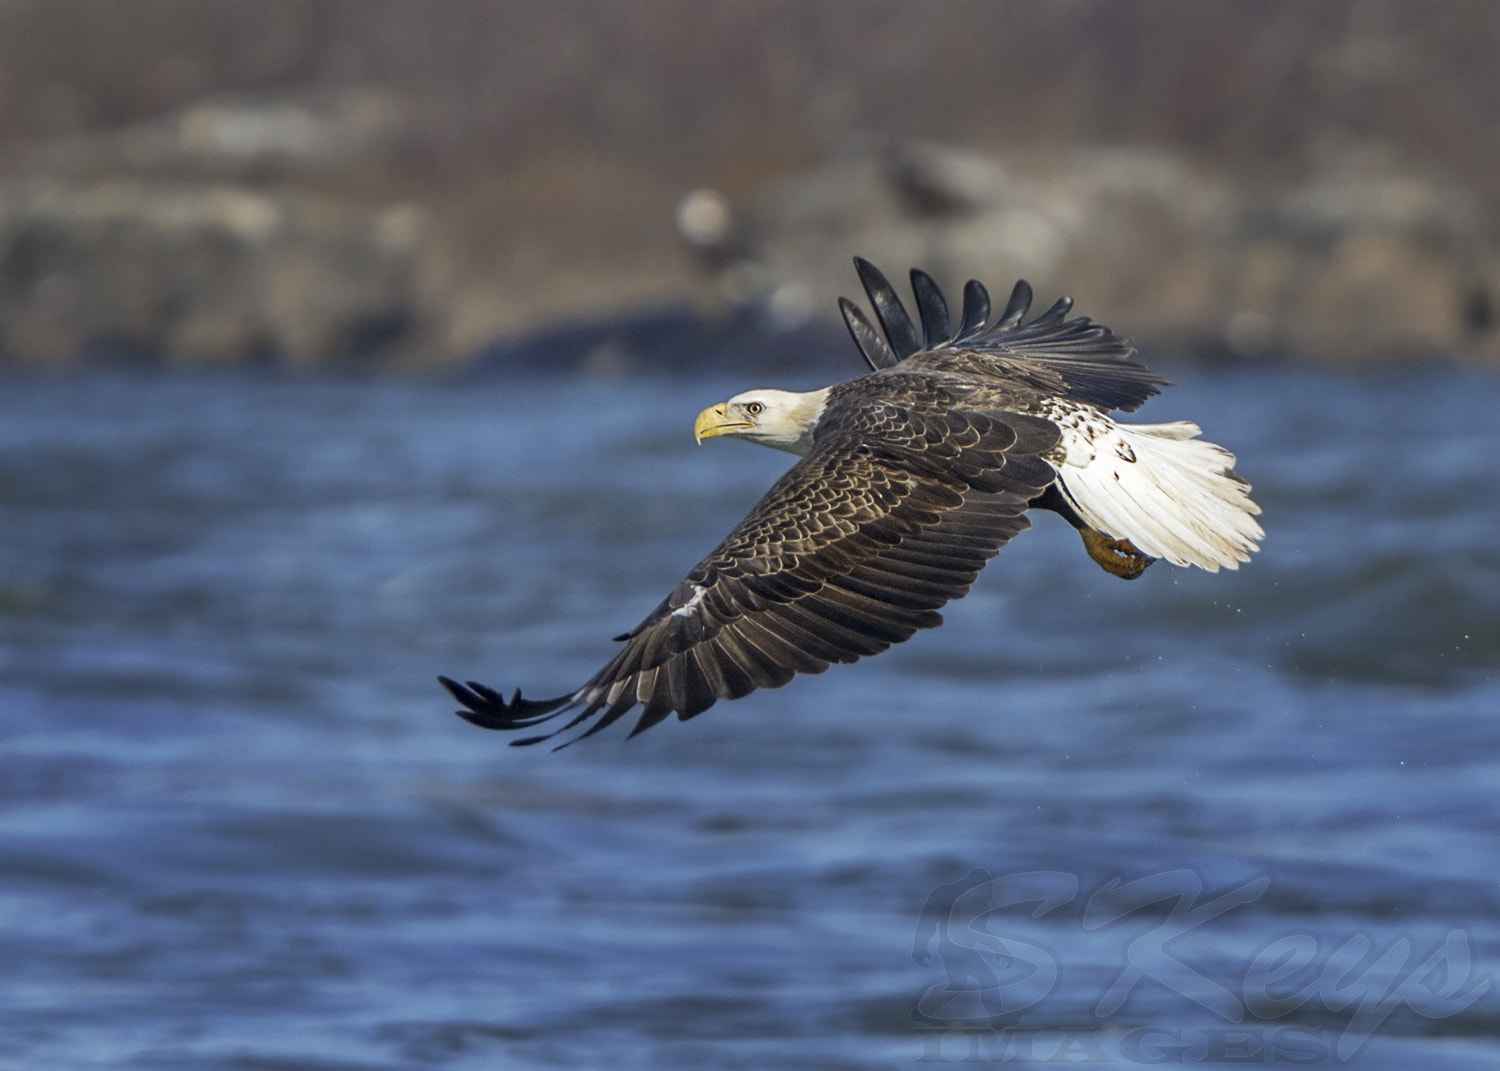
1077, 359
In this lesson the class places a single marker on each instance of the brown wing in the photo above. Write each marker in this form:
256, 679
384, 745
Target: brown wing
892, 514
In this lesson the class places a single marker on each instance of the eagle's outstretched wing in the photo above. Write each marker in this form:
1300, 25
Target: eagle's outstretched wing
1076, 359
892, 514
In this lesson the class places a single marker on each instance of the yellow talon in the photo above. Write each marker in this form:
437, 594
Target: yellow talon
1117, 556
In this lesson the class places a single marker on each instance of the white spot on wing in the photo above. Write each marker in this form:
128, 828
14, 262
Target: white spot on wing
692, 604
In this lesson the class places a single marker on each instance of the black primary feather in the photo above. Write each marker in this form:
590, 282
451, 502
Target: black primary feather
932, 307
894, 321
872, 344
1078, 359
1016, 306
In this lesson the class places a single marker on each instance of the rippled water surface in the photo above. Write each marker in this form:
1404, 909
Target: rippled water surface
1195, 819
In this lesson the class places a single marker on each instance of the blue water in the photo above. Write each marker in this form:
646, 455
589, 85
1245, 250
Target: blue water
1195, 819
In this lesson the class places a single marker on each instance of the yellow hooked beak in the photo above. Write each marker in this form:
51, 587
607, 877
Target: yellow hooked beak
715, 421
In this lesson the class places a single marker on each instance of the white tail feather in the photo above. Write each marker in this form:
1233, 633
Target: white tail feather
1170, 493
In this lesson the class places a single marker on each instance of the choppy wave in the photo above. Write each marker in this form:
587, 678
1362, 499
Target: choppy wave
239, 827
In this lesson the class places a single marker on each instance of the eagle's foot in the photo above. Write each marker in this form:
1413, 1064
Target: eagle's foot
1117, 556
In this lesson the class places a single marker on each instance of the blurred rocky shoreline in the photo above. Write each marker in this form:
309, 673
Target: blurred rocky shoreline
316, 228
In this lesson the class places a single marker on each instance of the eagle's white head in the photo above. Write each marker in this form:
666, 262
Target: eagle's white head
781, 419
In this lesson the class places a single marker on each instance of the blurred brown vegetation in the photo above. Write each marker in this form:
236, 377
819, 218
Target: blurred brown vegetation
396, 181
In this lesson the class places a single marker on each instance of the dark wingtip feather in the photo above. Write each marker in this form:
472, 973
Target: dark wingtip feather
976, 310
1060, 308
1095, 364
1015, 308
528, 741
488, 709
892, 315
872, 346
932, 307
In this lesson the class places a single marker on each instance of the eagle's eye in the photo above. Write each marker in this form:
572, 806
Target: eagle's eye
755, 408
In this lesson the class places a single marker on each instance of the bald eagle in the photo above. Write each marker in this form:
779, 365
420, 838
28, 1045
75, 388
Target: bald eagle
911, 478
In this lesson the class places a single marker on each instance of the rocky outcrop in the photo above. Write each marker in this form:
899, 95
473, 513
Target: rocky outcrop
206, 273
255, 233
159, 243
398, 184
1362, 263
